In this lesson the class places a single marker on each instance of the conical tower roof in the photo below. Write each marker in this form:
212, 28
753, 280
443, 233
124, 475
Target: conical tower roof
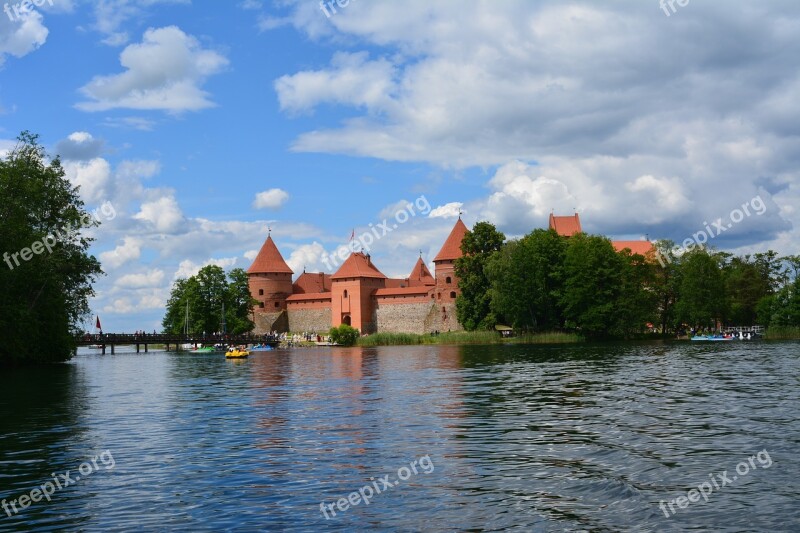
420, 272
358, 265
452, 246
269, 260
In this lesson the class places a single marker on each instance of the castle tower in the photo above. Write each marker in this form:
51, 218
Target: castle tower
353, 288
270, 279
565, 226
446, 281
420, 275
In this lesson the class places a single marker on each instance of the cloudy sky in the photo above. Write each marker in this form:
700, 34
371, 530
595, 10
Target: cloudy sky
205, 123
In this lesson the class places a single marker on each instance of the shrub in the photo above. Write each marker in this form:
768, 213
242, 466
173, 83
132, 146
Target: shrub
344, 335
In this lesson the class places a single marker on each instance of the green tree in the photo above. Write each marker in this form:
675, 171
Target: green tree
204, 296
344, 335
701, 299
526, 281
45, 298
638, 299
666, 283
747, 281
239, 303
473, 305
592, 283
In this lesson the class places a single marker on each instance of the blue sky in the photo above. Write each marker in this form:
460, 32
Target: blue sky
204, 123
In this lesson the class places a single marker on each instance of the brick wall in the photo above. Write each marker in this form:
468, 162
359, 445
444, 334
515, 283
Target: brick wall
402, 318
268, 322
310, 320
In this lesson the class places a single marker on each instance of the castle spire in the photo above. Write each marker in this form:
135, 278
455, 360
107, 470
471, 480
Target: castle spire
269, 260
451, 250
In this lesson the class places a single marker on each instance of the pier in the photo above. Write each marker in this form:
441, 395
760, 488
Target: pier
143, 340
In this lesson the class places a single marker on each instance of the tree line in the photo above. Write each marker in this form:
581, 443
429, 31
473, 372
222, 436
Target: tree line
44, 296
546, 282
209, 302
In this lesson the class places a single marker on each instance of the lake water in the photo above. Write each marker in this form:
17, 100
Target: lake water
527, 438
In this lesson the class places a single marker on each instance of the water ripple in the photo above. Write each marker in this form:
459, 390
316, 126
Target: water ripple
523, 438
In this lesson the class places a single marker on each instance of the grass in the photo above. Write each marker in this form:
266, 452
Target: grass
466, 337
783, 333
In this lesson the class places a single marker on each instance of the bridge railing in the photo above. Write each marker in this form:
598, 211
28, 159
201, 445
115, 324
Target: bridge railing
164, 338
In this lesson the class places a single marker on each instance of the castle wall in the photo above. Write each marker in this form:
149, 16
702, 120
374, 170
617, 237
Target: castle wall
443, 318
310, 319
403, 317
269, 322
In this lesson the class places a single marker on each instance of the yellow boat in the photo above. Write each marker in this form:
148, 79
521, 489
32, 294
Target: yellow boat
236, 353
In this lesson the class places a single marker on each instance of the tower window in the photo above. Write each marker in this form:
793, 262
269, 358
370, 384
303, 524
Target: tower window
261, 305
278, 304
345, 293
448, 280
261, 292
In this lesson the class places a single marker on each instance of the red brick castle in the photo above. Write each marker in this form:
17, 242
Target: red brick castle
358, 294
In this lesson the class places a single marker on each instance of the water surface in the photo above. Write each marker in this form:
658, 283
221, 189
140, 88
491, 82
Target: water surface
527, 438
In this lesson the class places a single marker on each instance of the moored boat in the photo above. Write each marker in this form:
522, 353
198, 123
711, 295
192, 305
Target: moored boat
236, 353
206, 349
712, 338
261, 348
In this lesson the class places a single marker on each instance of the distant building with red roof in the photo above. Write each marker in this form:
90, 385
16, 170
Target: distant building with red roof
360, 295
566, 226
357, 294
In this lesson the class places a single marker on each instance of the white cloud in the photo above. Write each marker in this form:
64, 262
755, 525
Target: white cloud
79, 146
163, 214
636, 139
93, 177
352, 80
163, 72
129, 250
188, 268
21, 36
451, 210
271, 199
308, 256
151, 278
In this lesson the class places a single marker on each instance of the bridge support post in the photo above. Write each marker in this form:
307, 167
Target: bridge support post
137, 347
104, 349
145, 348
112, 349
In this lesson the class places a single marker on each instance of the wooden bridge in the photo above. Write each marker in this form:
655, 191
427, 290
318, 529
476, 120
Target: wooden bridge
143, 340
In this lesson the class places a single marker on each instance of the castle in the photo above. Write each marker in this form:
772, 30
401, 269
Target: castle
359, 295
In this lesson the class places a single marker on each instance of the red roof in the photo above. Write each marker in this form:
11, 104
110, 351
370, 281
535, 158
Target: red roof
358, 265
403, 291
566, 226
308, 297
421, 273
452, 246
312, 283
636, 247
269, 260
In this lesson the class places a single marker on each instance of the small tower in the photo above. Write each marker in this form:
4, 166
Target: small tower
446, 281
420, 275
353, 289
270, 279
